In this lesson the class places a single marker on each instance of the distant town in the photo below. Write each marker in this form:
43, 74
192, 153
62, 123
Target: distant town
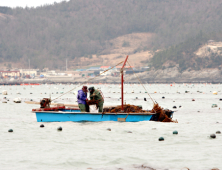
9, 76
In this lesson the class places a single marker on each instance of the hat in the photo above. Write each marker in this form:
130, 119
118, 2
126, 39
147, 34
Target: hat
91, 88
84, 88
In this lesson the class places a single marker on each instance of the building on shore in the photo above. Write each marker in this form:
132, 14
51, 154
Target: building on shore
9, 74
29, 72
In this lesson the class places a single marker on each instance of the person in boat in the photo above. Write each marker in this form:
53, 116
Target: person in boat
82, 98
96, 96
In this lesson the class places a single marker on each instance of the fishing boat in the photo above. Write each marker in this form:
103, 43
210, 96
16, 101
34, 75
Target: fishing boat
122, 113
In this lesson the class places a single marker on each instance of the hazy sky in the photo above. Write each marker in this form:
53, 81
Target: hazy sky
24, 3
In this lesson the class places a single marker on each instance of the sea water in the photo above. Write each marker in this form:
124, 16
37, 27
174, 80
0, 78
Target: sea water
91, 146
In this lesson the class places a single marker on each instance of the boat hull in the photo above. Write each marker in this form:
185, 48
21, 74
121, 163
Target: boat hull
90, 117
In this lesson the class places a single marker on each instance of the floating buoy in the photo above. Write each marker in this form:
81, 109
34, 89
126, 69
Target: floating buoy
136, 97
213, 136
17, 100
218, 132
175, 132
180, 106
220, 99
163, 97
4, 92
144, 99
10, 130
174, 107
59, 128
108, 129
193, 100
161, 139
42, 125
214, 105
215, 92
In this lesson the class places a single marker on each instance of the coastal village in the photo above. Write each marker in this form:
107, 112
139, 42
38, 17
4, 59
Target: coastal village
37, 75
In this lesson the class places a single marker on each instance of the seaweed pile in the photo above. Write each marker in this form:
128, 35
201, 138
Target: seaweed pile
161, 114
126, 109
92, 102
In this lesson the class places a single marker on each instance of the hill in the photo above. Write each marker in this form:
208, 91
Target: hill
49, 34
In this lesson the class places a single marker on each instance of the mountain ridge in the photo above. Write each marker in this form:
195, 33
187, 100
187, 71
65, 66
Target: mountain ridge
50, 34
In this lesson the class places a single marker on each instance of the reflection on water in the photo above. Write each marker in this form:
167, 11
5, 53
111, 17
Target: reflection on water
91, 145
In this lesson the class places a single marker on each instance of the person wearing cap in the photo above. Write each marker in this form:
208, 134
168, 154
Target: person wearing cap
97, 96
82, 98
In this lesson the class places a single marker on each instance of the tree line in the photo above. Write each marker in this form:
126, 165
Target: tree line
49, 34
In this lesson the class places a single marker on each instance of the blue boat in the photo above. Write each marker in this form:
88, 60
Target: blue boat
63, 114
77, 116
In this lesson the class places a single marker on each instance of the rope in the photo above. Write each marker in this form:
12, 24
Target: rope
140, 81
88, 80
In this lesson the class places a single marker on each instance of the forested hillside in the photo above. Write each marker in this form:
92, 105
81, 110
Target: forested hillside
49, 34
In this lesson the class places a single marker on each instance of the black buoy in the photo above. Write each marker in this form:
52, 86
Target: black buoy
163, 97
59, 128
174, 107
180, 106
10, 130
161, 139
220, 99
42, 126
218, 132
213, 136
175, 132
108, 129
144, 99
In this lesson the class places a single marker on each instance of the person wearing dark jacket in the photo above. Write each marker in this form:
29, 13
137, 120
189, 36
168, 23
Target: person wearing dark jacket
97, 96
82, 98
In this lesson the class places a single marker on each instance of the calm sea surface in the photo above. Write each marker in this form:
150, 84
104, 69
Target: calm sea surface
91, 146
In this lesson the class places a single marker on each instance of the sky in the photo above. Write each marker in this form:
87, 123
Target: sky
24, 3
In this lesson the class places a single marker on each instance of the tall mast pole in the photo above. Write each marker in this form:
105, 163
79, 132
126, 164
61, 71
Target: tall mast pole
122, 81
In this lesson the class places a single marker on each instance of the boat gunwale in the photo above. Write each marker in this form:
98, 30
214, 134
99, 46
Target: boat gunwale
61, 112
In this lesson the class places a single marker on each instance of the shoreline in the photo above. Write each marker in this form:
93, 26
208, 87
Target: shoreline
110, 80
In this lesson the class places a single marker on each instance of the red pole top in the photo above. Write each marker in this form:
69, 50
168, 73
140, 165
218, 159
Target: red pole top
125, 62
